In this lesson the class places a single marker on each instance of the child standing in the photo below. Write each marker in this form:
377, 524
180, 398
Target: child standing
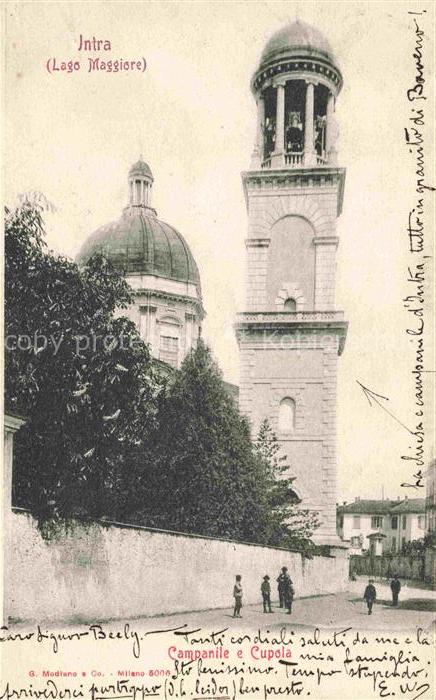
266, 594
237, 594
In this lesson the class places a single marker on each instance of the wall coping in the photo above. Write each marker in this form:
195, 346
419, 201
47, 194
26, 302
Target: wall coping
128, 526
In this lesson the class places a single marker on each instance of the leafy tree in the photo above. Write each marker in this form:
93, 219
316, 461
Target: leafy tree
208, 479
80, 375
288, 524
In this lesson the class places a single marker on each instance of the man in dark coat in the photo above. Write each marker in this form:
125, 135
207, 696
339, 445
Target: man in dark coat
287, 590
395, 588
280, 582
370, 595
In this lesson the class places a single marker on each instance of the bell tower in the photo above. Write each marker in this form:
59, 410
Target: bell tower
290, 334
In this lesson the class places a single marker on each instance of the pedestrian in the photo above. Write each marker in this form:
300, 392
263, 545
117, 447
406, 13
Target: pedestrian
265, 589
280, 582
370, 595
287, 590
237, 594
395, 588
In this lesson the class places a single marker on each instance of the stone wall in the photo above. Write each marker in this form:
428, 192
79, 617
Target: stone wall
96, 572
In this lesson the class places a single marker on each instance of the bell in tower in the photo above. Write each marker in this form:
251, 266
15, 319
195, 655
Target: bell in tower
291, 334
295, 88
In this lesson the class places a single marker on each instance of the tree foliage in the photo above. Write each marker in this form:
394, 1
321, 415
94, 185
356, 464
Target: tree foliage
288, 524
81, 377
208, 479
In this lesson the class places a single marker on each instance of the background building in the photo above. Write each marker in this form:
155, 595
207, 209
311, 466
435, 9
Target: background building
430, 523
157, 263
430, 498
398, 522
290, 334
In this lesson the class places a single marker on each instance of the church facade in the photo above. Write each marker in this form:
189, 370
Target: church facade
290, 334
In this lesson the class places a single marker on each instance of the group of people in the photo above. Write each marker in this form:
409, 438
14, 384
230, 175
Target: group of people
285, 590
370, 594
286, 593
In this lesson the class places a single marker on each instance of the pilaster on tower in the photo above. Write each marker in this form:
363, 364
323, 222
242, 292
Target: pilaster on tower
290, 334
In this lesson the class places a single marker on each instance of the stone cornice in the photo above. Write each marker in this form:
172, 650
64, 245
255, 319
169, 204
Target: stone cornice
291, 321
297, 67
316, 176
197, 303
326, 240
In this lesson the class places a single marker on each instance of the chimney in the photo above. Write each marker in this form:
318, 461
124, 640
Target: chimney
357, 499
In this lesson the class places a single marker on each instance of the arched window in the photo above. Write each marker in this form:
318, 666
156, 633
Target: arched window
290, 305
287, 415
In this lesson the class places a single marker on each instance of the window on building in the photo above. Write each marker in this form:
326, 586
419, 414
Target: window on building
376, 521
356, 521
403, 543
404, 522
394, 522
287, 415
341, 521
169, 348
421, 522
394, 544
356, 542
290, 305
169, 343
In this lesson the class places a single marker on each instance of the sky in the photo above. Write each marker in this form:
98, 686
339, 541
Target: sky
191, 115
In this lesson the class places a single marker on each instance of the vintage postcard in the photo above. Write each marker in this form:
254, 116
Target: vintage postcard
219, 470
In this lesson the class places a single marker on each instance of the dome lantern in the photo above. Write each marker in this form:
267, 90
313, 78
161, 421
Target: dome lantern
140, 181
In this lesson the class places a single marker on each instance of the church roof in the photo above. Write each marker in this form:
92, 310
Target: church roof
140, 242
296, 36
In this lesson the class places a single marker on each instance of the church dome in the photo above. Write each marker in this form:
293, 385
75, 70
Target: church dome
293, 37
140, 243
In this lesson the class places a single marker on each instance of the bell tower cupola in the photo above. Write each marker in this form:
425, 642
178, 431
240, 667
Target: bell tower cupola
295, 87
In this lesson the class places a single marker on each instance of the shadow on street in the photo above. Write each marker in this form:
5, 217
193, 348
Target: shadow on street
425, 604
